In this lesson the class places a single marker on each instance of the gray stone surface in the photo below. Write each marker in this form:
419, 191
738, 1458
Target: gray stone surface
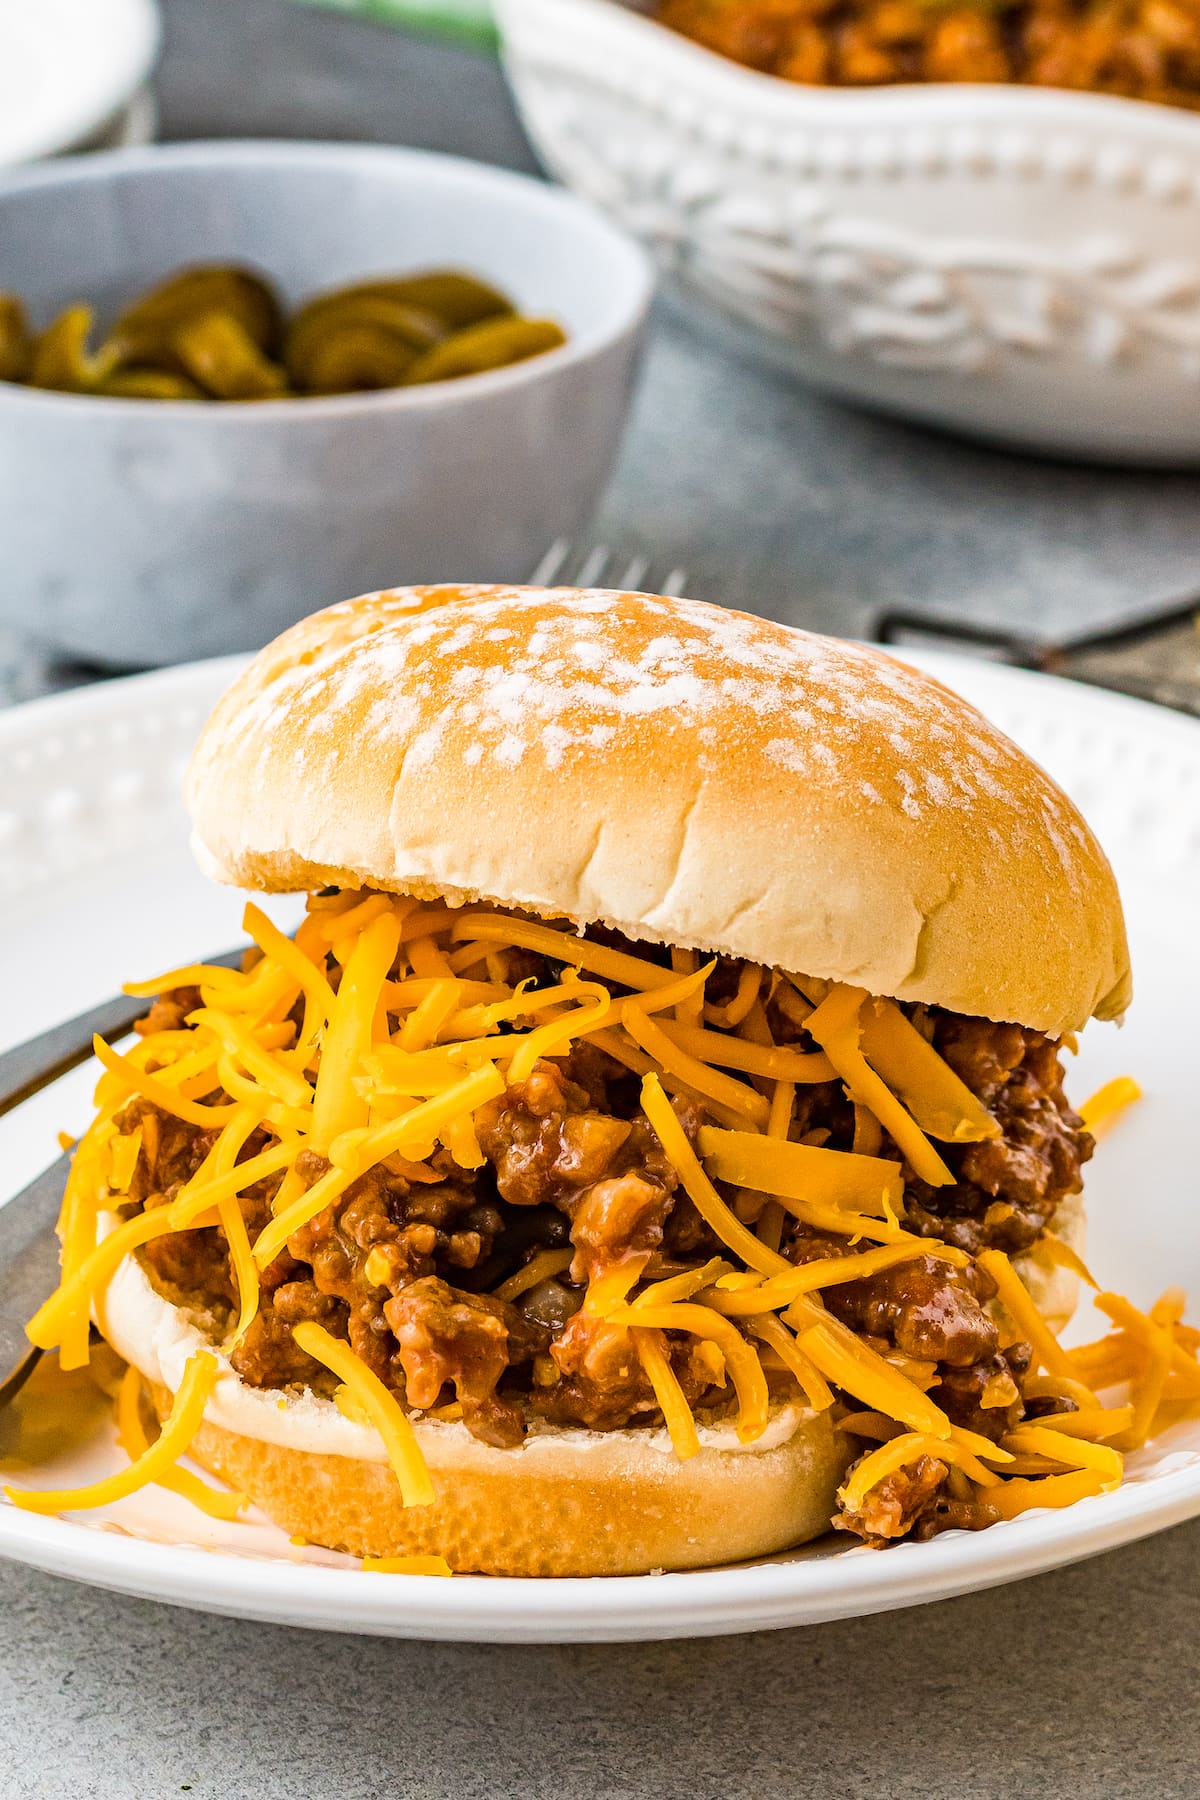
1078, 1684
790, 504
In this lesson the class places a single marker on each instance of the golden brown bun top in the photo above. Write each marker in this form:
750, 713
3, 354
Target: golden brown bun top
687, 774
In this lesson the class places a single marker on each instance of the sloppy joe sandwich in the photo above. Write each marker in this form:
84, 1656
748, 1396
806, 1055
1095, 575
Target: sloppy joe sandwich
650, 1149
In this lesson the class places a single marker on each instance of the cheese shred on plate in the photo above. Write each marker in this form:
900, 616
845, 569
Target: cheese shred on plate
376, 1033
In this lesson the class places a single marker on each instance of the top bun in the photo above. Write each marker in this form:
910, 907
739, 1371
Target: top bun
686, 774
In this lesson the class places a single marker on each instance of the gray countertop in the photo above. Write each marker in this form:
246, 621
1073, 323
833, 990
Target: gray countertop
1079, 1683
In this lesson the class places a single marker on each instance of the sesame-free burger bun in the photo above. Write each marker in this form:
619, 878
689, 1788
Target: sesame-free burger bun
686, 774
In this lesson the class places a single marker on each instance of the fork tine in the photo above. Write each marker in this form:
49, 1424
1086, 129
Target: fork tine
551, 563
564, 563
592, 567
634, 575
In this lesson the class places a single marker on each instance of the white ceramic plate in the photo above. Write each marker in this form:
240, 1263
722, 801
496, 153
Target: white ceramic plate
67, 68
96, 885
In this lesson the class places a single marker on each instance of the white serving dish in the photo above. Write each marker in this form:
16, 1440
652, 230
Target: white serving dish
96, 857
1020, 264
68, 71
138, 532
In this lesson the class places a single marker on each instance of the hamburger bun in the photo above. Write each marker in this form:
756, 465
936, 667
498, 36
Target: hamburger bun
685, 774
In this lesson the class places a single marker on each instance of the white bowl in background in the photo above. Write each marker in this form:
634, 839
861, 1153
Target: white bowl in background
1016, 263
139, 531
68, 69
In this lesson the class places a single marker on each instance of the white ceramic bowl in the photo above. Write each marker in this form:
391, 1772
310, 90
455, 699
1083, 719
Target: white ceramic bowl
1017, 263
68, 71
137, 532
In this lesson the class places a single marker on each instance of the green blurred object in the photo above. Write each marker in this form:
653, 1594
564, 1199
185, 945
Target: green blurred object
467, 21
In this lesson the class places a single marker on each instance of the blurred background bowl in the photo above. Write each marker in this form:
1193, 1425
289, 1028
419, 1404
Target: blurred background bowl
1016, 263
73, 74
139, 532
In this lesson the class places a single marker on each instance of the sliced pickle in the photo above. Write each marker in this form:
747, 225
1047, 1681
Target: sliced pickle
459, 300
356, 359
224, 359
493, 345
16, 340
61, 358
216, 331
402, 332
145, 332
455, 300
149, 384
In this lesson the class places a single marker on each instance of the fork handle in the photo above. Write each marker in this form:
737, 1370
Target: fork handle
33, 1065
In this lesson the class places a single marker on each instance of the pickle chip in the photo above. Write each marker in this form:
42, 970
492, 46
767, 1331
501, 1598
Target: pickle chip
454, 299
145, 332
217, 331
399, 333
493, 345
61, 358
149, 384
16, 340
220, 355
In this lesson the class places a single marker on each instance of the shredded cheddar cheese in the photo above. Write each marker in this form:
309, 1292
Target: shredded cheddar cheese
1015, 1298
744, 1367
407, 1565
542, 1266
837, 1026
377, 1404
218, 1503
700, 1191
738, 1009
753, 1059
801, 1171
373, 1037
651, 1348
736, 1096
1107, 1104
898, 1452
337, 1107
178, 1430
850, 1364
775, 1334
574, 952
941, 1104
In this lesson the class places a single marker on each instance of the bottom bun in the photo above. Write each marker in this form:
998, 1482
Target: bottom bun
567, 1502
607, 1504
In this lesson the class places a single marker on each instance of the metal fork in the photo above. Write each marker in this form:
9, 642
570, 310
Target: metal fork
28, 1250
568, 565
1154, 658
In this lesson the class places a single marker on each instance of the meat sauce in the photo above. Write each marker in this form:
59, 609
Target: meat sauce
404, 1265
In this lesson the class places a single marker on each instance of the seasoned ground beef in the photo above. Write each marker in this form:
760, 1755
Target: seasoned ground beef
914, 1501
1010, 1186
1147, 49
894, 1505
405, 1264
